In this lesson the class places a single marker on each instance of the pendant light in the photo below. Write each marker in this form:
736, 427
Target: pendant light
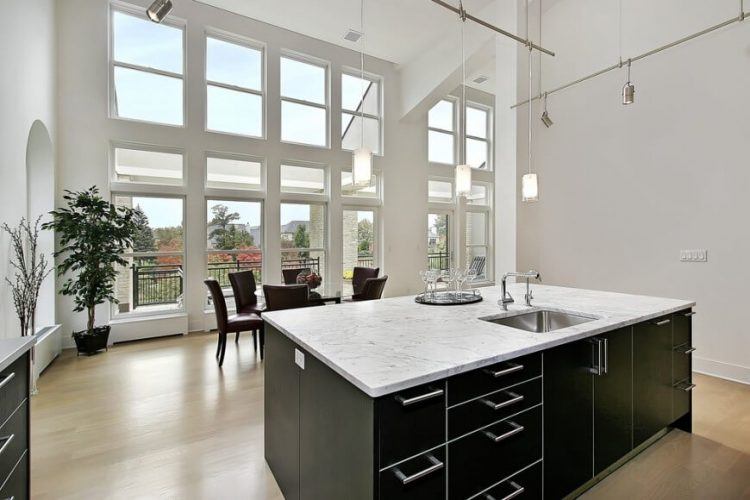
530, 182
545, 116
159, 10
463, 170
362, 156
628, 90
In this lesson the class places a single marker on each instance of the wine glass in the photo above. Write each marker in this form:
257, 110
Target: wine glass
424, 276
471, 275
460, 280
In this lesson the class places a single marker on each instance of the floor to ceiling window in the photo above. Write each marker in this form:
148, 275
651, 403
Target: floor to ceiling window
304, 100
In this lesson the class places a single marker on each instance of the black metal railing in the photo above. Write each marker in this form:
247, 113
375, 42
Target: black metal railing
439, 261
220, 270
157, 284
365, 261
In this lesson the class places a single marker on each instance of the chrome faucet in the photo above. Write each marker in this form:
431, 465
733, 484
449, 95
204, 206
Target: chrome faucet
507, 298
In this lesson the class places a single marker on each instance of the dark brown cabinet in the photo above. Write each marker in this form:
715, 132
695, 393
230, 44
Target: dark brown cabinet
652, 378
14, 429
682, 364
419, 478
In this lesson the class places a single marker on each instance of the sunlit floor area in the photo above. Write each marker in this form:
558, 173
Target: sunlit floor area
159, 419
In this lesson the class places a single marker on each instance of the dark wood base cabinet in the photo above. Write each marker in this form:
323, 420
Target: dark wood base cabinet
14, 430
545, 425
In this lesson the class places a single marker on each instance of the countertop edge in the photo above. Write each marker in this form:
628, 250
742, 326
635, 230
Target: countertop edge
376, 392
19, 346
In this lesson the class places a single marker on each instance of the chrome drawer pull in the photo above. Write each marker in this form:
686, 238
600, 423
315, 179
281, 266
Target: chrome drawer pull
515, 398
436, 465
420, 398
7, 439
689, 387
7, 379
663, 322
514, 367
688, 314
515, 430
689, 350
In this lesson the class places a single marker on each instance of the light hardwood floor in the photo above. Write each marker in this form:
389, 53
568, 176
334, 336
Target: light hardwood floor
159, 419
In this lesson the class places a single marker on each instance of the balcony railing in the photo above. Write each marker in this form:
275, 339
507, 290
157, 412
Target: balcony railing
439, 261
163, 283
365, 261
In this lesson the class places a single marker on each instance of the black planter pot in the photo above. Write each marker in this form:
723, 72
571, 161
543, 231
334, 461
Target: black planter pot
91, 343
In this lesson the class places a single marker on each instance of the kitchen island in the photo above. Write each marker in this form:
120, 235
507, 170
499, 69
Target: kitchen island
390, 399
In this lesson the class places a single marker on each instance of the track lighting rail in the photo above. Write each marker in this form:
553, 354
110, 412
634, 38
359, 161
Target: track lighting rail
517, 38
619, 64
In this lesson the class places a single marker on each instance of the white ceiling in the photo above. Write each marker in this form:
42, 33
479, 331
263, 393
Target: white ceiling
397, 30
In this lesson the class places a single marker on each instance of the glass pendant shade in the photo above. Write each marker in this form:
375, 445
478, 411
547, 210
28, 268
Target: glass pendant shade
530, 187
159, 10
463, 180
361, 166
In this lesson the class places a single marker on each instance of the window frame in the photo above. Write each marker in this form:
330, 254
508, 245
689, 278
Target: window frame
326, 235
454, 133
184, 255
489, 246
314, 61
488, 140
379, 117
227, 37
363, 201
375, 231
444, 210
441, 205
229, 192
151, 188
140, 13
207, 251
286, 196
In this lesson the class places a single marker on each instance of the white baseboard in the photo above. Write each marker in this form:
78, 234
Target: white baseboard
48, 346
728, 371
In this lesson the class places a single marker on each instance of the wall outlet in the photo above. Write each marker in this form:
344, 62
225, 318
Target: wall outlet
699, 255
299, 358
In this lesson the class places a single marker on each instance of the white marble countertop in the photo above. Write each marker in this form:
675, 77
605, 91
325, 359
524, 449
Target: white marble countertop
387, 345
11, 349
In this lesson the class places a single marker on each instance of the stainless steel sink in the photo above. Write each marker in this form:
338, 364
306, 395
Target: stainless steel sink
541, 321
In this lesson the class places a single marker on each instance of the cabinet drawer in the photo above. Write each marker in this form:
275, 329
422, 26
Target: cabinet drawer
13, 440
484, 410
14, 386
682, 363
485, 457
410, 422
527, 484
492, 378
16, 486
421, 477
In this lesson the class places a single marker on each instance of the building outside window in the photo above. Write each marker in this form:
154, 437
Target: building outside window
234, 78
304, 101
359, 242
361, 97
439, 227
154, 279
303, 233
146, 68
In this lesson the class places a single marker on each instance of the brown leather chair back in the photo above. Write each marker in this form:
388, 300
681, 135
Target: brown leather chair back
279, 297
372, 289
290, 275
243, 285
220, 305
361, 274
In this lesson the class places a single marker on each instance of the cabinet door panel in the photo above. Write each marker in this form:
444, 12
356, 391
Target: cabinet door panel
652, 378
613, 401
568, 426
419, 478
682, 341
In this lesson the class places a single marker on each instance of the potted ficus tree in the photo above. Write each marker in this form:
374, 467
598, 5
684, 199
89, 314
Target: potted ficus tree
93, 234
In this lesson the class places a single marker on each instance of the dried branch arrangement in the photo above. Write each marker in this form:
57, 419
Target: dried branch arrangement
30, 268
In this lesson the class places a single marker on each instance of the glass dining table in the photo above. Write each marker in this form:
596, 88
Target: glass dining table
318, 296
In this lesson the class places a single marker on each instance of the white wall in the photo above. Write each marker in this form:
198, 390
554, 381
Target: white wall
85, 132
624, 188
27, 94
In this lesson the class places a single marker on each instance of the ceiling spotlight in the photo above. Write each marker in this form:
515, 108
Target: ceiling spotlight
545, 116
628, 91
159, 10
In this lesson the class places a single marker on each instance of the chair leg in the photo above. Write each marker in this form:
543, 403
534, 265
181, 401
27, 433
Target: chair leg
236, 337
223, 348
255, 340
262, 342
218, 345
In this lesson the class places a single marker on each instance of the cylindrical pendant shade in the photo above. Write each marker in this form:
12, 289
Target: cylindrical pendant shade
159, 10
529, 187
628, 93
361, 166
463, 180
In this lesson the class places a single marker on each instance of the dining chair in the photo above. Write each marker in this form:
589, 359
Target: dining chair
371, 290
360, 275
280, 297
290, 275
225, 323
245, 300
